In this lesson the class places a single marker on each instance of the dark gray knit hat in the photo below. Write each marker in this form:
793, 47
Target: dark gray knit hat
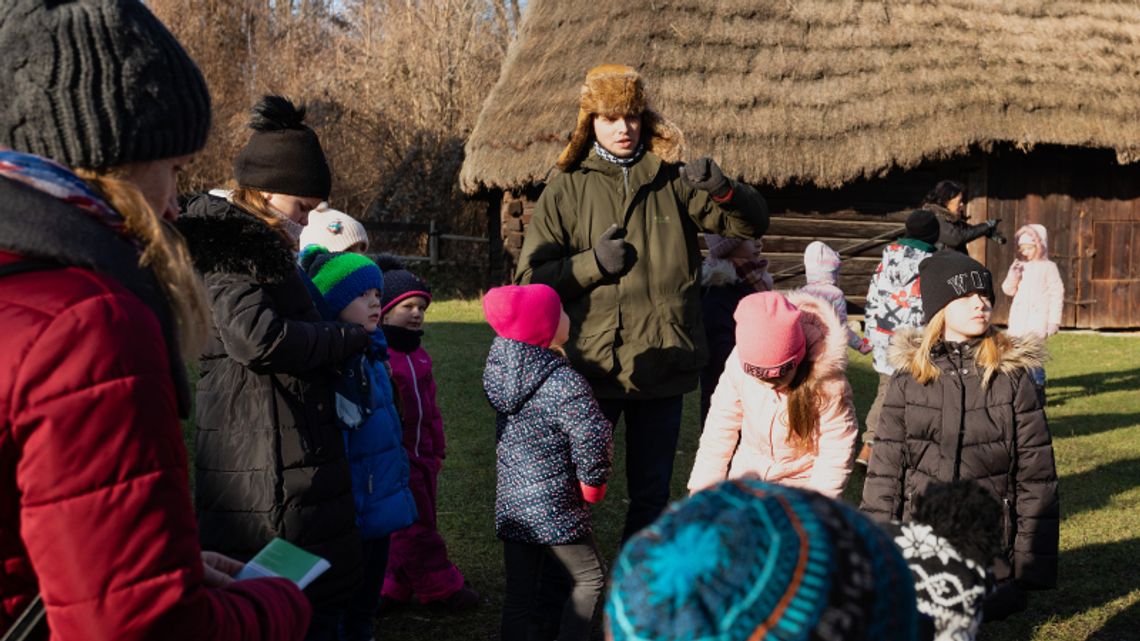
947, 275
96, 84
922, 224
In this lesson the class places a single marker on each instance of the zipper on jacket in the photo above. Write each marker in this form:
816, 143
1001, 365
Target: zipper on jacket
419, 403
625, 179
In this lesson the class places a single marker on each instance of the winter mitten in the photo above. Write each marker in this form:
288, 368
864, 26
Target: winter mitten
703, 173
593, 494
610, 250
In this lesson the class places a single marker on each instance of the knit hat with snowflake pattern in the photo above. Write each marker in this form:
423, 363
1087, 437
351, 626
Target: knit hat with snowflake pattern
752, 560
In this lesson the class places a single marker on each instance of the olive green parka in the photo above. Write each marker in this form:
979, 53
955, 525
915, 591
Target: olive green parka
637, 334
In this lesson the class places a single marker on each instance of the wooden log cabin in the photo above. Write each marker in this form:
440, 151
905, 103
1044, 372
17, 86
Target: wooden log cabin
843, 114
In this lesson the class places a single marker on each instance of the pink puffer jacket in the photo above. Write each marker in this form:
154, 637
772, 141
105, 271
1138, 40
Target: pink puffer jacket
1036, 287
746, 431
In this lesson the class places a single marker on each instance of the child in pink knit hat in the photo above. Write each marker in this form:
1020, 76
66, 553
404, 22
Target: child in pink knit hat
554, 447
783, 410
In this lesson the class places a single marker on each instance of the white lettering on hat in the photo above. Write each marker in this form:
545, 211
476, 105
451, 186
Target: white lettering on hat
979, 280
957, 281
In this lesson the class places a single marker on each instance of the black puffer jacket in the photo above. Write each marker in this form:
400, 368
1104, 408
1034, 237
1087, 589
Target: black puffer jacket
270, 460
954, 428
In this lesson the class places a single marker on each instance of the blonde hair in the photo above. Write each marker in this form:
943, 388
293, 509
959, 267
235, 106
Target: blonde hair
164, 253
992, 348
254, 203
804, 403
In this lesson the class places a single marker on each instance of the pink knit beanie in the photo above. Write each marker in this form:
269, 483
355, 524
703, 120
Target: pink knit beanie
526, 313
769, 339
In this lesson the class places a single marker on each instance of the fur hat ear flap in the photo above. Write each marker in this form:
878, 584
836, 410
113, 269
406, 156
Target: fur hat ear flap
579, 140
665, 139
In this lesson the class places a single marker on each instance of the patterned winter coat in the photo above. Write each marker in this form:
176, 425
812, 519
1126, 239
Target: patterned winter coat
550, 437
954, 428
1037, 291
746, 429
372, 436
893, 299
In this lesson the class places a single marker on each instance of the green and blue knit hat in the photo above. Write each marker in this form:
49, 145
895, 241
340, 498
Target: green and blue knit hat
340, 276
753, 560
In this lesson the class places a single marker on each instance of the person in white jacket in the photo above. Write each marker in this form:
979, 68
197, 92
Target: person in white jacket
1035, 284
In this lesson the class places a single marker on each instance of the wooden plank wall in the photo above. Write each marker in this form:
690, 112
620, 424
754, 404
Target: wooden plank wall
1090, 206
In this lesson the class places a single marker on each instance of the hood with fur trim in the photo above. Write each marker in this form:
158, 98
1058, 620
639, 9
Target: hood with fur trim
225, 239
1040, 237
617, 90
824, 334
1026, 352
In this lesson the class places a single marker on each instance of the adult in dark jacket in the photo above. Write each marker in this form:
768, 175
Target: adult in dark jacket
95, 515
270, 459
948, 201
615, 234
963, 406
553, 448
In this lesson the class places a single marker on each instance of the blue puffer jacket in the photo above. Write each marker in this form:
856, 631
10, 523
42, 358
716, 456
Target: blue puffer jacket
372, 430
550, 436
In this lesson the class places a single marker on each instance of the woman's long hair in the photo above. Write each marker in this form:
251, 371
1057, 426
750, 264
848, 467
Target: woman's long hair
164, 253
254, 203
992, 348
804, 404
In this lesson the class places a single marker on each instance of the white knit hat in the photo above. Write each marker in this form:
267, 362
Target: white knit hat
333, 230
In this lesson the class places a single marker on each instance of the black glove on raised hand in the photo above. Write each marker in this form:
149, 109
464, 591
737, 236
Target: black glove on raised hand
610, 250
704, 174
993, 232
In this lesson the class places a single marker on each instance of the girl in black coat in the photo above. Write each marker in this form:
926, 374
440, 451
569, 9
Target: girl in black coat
270, 460
963, 405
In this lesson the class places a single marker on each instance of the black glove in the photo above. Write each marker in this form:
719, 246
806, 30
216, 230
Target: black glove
704, 174
610, 250
993, 233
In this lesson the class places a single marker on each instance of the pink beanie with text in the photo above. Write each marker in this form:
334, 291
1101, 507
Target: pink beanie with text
769, 339
526, 313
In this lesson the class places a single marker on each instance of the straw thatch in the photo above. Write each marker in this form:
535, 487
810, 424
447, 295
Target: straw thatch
823, 91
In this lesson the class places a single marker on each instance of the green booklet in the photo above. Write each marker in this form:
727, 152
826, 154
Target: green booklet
281, 558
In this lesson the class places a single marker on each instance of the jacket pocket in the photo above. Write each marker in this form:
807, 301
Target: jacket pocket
593, 354
1007, 528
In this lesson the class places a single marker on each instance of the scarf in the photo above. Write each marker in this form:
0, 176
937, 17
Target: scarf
620, 162
61, 183
403, 339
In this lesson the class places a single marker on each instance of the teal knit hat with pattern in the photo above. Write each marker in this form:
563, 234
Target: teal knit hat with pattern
753, 560
340, 276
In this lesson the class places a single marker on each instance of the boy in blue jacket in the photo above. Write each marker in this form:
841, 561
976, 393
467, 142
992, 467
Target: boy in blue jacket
352, 285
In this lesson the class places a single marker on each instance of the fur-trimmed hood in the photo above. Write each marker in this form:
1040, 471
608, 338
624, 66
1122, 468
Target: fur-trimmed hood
825, 336
1026, 352
224, 238
1040, 237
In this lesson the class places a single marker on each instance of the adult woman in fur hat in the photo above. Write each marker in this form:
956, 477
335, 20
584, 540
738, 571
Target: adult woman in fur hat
615, 234
270, 459
99, 303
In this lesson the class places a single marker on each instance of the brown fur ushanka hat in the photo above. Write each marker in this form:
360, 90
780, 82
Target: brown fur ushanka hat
617, 90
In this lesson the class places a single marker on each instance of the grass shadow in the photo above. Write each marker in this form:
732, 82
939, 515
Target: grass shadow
1095, 488
1082, 587
1064, 389
1089, 424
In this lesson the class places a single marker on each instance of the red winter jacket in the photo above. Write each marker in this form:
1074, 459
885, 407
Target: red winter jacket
95, 507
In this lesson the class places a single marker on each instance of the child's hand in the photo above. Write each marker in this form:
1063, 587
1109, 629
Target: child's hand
1053, 328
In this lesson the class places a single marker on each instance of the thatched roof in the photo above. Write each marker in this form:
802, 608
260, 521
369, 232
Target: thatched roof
823, 91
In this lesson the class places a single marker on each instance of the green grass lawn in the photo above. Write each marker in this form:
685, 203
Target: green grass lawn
1094, 414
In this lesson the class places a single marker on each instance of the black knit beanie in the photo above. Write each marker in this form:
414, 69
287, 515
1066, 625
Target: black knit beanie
922, 224
948, 275
96, 84
283, 156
